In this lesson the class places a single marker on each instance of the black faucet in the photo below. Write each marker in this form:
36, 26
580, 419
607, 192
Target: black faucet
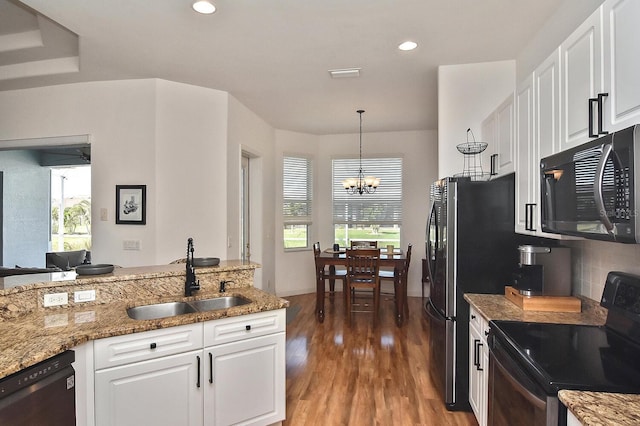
190, 283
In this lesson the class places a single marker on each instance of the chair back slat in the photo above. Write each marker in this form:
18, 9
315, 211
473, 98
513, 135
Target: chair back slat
363, 264
364, 244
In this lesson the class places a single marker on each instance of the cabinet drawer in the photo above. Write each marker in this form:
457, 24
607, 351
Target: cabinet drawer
119, 350
476, 320
243, 327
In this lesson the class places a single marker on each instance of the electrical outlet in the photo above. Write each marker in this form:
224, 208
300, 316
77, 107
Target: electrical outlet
84, 296
55, 299
131, 245
104, 214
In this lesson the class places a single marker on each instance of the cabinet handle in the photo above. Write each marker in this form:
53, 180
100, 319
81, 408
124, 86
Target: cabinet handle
476, 361
528, 217
601, 97
153, 345
198, 381
248, 327
591, 102
478, 365
210, 367
494, 157
473, 316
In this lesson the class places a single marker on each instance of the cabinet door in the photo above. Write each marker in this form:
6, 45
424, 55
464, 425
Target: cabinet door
162, 391
488, 130
475, 377
526, 153
245, 382
505, 138
621, 63
581, 67
547, 103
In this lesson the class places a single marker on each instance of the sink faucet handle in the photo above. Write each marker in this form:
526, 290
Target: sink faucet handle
223, 285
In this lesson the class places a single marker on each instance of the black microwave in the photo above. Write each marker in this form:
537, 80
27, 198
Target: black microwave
590, 191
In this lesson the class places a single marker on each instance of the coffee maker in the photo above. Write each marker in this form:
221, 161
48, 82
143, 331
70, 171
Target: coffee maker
543, 271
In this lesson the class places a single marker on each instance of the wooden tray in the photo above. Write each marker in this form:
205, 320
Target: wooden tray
543, 303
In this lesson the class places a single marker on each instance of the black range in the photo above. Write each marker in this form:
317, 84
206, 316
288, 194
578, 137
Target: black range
530, 362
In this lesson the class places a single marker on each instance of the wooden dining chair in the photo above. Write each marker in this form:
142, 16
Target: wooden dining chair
331, 274
363, 244
403, 274
363, 267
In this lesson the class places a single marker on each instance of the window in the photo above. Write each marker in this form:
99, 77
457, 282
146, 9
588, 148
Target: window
297, 189
376, 216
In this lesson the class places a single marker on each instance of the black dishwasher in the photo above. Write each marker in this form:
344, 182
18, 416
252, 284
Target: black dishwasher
42, 395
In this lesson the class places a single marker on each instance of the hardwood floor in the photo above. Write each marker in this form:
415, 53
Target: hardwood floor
339, 374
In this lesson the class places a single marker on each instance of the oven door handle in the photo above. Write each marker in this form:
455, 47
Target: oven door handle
522, 390
598, 183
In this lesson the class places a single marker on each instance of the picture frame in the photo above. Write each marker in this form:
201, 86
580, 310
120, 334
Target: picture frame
131, 204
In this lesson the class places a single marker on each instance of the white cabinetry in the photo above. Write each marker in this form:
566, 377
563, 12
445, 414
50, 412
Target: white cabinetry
149, 378
546, 106
498, 130
526, 155
621, 63
222, 372
246, 369
572, 420
581, 55
478, 366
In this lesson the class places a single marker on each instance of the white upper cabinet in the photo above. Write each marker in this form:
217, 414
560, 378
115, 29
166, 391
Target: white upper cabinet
526, 155
505, 140
621, 63
582, 81
546, 106
498, 130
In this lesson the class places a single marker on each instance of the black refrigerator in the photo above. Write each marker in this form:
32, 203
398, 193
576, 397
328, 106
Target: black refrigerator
471, 248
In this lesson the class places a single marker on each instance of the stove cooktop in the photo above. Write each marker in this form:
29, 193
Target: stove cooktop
580, 357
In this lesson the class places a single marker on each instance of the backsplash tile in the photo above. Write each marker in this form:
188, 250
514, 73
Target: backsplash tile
593, 260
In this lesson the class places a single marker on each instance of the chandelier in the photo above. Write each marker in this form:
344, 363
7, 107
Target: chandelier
361, 184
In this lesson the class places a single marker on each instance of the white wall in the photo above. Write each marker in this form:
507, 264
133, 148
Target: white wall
190, 171
161, 134
419, 152
250, 134
466, 95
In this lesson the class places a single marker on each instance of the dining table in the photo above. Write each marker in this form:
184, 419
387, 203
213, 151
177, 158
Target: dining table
333, 258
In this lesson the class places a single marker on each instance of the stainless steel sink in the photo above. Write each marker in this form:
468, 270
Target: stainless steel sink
216, 303
164, 310
160, 310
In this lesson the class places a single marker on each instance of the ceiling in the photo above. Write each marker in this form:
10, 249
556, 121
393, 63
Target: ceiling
273, 56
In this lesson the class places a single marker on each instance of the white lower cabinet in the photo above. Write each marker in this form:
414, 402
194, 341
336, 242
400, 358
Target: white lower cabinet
167, 376
245, 381
160, 391
478, 366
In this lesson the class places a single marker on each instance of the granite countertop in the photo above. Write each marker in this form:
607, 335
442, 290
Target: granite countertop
498, 307
601, 408
30, 333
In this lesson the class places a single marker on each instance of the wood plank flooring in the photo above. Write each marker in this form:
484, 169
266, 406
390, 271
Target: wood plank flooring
358, 374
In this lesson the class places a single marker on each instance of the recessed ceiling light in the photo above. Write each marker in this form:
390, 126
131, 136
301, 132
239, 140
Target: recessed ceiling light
204, 7
408, 45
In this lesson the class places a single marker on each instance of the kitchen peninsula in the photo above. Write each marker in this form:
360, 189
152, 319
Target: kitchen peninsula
31, 333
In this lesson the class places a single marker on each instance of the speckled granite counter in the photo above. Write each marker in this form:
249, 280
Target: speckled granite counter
498, 307
30, 333
602, 409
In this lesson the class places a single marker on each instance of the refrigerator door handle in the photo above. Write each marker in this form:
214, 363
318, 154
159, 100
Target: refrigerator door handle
435, 312
431, 250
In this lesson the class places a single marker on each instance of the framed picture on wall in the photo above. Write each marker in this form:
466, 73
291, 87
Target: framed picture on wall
131, 204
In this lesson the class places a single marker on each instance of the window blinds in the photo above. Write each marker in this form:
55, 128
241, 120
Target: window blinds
297, 190
384, 207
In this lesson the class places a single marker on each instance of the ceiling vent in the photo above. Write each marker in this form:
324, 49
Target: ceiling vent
345, 73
